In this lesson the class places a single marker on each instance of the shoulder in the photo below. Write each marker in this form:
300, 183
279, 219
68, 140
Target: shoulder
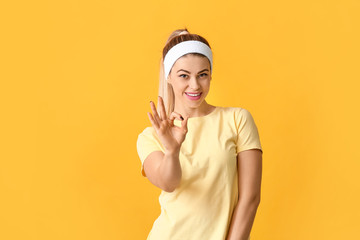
235, 111
148, 132
149, 137
237, 115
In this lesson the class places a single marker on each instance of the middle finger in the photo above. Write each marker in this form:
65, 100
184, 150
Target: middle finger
162, 108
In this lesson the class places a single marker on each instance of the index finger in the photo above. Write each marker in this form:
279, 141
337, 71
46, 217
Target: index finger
162, 108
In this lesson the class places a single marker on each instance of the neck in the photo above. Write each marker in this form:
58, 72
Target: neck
202, 110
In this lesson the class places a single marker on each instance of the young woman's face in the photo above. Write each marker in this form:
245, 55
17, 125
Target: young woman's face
190, 75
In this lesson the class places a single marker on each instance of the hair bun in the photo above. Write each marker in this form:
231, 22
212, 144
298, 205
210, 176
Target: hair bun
184, 32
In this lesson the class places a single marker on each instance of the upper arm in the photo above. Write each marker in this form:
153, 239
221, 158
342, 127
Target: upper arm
247, 132
249, 174
249, 156
146, 144
151, 166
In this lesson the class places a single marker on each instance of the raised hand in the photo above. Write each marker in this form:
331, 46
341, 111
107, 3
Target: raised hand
171, 136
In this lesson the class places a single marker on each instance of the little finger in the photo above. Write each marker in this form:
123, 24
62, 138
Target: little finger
155, 113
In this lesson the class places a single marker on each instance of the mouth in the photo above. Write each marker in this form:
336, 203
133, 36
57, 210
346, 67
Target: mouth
193, 96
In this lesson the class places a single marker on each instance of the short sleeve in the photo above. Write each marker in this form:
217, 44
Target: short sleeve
247, 132
147, 142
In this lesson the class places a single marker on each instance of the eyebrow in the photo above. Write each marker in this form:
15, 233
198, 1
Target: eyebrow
189, 72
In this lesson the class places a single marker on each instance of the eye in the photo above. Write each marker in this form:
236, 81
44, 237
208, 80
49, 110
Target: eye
182, 75
203, 74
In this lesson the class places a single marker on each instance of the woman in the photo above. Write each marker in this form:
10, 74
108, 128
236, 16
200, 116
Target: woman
206, 159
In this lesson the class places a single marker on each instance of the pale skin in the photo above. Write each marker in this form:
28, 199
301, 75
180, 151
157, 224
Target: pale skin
192, 74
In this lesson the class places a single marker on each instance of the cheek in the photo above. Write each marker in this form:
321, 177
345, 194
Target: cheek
179, 88
206, 85
180, 85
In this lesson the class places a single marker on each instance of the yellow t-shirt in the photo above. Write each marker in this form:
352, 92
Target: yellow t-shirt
201, 207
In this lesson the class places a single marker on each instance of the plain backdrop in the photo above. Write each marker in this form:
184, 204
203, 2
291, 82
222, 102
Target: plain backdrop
76, 80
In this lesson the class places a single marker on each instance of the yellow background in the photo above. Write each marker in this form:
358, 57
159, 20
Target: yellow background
77, 78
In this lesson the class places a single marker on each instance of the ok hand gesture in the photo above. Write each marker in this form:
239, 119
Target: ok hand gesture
171, 136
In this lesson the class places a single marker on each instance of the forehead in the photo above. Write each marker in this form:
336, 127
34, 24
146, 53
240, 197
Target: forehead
190, 61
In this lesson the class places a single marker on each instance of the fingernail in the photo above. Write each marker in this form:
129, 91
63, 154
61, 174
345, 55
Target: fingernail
181, 118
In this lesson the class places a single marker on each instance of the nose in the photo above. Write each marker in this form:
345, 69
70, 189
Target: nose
193, 83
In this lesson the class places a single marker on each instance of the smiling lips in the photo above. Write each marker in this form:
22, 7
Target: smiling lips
193, 96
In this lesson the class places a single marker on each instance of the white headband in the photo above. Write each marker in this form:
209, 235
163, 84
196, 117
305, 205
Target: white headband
183, 48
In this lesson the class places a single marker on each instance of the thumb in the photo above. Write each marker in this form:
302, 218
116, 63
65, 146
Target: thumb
184, 124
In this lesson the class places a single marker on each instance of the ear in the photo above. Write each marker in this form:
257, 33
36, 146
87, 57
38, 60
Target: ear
168, 80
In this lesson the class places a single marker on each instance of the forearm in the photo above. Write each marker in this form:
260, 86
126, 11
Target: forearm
170, 170
242, 220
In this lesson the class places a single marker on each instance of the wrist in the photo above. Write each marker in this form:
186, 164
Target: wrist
172, 152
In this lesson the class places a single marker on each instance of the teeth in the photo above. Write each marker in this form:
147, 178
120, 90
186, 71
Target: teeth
193, 95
